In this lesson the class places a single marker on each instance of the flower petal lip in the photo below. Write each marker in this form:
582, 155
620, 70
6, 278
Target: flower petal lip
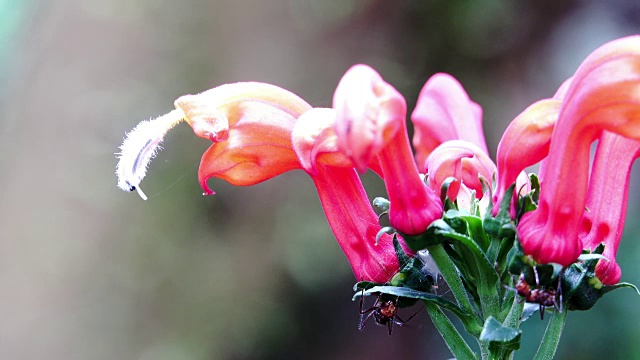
258, 147
367, 114
460, 159
604, 95
240, 118
314, 137
525, 142
445, 112
607, 199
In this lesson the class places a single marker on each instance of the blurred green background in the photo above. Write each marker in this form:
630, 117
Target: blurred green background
90, 272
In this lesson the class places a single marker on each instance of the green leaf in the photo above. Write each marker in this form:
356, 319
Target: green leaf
495, 226
501, 338
474, 225
364, 285
582, 289
529, 309
455, 342
411, 272
482, 262
621, 285
477, 265
428, 238
529, 202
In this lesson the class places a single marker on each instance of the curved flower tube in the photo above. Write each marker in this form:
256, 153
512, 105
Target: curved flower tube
604, 95
445, 112
606, 205
462, 160
317, 139
371, 122
344, 200
524, 143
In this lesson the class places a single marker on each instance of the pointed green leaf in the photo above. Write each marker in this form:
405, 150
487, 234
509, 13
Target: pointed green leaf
500, 338
607, 288
529, 309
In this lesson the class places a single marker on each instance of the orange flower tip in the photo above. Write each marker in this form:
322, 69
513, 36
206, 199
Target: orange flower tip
139, 147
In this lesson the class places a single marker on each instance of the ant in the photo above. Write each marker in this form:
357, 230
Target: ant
383, 312
542, 297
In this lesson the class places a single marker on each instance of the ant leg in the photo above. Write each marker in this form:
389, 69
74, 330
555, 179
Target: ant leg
375, 305
402, 322
361, 301
364, 320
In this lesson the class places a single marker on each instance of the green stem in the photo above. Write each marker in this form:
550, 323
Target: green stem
551, 337
515, 314
456, 344
450, 275
484, 350
489, 298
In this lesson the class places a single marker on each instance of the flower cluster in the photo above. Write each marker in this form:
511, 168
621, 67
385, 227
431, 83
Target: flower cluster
259, 131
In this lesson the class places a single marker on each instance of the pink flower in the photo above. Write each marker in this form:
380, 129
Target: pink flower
371, 122
462, 160
604, 95
606, 205
445, 112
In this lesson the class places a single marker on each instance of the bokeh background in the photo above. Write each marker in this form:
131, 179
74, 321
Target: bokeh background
90, 272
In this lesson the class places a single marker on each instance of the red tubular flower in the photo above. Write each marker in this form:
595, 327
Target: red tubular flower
445, 112
524, 143
371, 122
604, 95
343, 198
603, 221
258, 145
462, 160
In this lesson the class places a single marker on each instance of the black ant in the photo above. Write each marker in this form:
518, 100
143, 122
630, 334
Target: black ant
542, 297
383, 312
